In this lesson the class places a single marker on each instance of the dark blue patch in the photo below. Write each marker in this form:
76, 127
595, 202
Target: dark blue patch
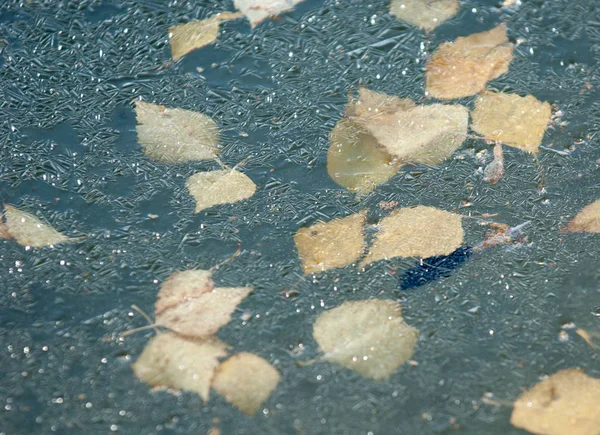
433, 268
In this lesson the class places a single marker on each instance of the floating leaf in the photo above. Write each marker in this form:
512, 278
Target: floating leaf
519, 122
463, 67
566, 403
426, 14
368, 336
28, 230
175, 135
327, 245
196, 34
258, 10
495, 170
246, 381
219, 187
416, 232
182, 286
587, 220
171, 361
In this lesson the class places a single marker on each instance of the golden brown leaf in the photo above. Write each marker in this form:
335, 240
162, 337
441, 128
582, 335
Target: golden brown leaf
219, 187
566, 403
519, 122
28, 230
587, 220
463, 67
246, 381
426, 14
327, 245
258, 10
368, 336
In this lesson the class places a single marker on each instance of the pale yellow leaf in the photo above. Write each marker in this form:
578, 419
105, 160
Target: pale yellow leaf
219, 187
246, 381
258, 10
416, 232
28, 230
368, 336
175, 135
182, 286
327, 245
566, 403
463, 67
179, 363
587, 220
426, 14
196, 34
519, 122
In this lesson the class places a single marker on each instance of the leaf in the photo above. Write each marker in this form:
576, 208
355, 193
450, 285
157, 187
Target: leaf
182, 286
426, 14
416, 232
327, 245
566, 403
28, 230
258, 10
171, 361
196, 34
368, 336
587, 220
175, 135
519, 122
219, 187
463, 67
246, 381
495, 170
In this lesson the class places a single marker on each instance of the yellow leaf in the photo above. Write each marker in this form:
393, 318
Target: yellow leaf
219, 187
182, 286
463, 67
519, 122
416, 232
587, 220
175, 135
566, 403
258, 10
246, 381
368, 336
426, 14
171, 361
327, 245
28, 230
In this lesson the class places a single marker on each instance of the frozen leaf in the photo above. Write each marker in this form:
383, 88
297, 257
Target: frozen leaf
246, 381
368, 336
196, 34
28, 230
171, 361
416, 232
587, 220
175, 135
463, 67
219, 187
519, 122
327, 245
258, 10
495, 170
566, 403
183, 286
426, 14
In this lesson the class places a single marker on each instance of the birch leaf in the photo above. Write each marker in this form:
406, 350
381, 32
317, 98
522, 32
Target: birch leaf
327, 245
171, 361
566, 403
196, 34
183, 286
246, 381
463, 67
175, 135
426, 14
519, 122
368, 336
416, 232
587, 220
28, 230
258, 10
219, 187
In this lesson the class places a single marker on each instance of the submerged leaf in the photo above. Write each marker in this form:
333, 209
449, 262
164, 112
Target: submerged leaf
519, 122
495, 170
587, 220
463, 67
171, 361
416, 232
327, 245
258, 10
28, 230
183, 286
426, 14
246, 381
175, 135
368, 336
219, 187
566, 403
